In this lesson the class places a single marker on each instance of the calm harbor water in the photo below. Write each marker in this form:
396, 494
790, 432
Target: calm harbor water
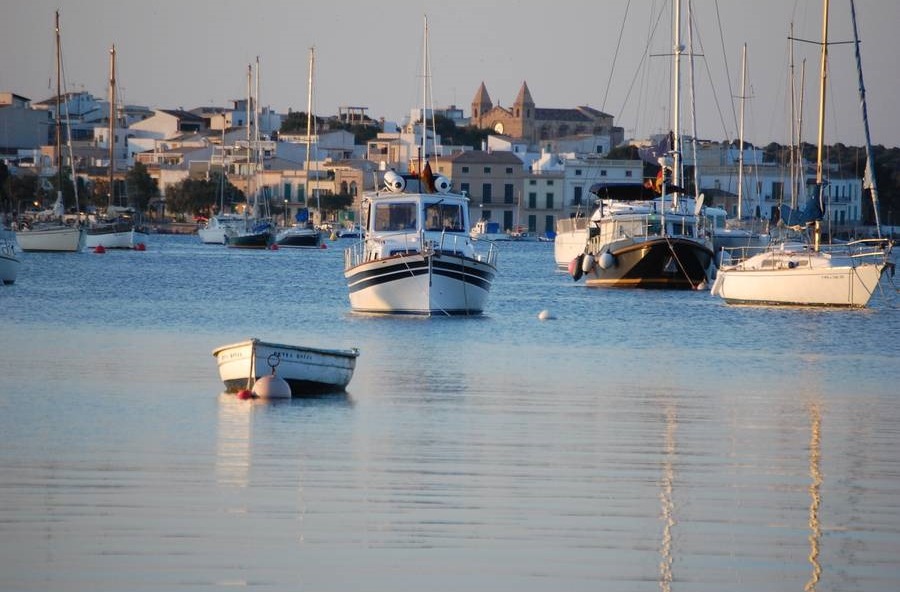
641, 441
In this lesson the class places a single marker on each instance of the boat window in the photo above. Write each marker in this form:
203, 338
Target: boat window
654, 227
681, 229
444, 217
395, 216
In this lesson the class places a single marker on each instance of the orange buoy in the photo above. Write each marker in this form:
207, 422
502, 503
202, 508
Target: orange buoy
100, 249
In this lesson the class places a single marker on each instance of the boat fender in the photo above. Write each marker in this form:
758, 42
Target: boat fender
607, 260
323, 246
575, 267
588, 263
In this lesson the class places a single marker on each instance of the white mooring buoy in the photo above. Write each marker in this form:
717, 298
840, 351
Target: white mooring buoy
272, 386
545, 315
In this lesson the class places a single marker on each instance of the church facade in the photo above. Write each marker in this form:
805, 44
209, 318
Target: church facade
531, 123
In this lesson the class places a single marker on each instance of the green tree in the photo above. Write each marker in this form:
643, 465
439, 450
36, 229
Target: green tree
21, 191
295, 123
192, 196
140, 186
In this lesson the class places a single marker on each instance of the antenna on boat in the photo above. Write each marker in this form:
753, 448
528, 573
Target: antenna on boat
112, 124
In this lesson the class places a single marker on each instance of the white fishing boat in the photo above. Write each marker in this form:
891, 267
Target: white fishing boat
809, 273
417, 256
307, 370
572, 235
9, 261
487, 230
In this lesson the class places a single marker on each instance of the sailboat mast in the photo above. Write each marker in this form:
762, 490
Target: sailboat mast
693, 100
740, 198
247, 126
424, 93
800, 181
793, 148
112, 123
870, 165
309, 116
676, 104
820, 152
58, 112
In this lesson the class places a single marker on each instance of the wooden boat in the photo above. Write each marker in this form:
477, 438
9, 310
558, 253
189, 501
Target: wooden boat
307, 370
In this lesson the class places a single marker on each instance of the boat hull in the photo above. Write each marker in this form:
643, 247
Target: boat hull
9, 264
212, 236
309, 238
436, 284
307, 370
660, 262
251, 240
843, 286
568, 245
65, 239
114, 239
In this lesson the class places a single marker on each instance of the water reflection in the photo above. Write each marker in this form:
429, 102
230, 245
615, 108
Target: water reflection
668, 503
814, 487
233, 450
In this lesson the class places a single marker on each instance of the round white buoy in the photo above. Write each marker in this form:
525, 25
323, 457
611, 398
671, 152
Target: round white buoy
272, 387
545, 315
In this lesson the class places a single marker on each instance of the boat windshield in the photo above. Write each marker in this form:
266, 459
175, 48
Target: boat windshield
395, 216
446, 217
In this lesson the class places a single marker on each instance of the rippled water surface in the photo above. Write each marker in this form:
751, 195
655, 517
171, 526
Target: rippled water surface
642, 440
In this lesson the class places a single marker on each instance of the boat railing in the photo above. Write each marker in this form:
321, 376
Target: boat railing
571, 224
637, 226
734, 255
444, 242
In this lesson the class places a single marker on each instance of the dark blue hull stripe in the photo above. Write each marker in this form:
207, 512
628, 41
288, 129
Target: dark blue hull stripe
381, 275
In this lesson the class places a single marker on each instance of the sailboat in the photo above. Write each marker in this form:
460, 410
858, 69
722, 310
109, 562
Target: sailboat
257, 231
304, 233
805, 272
216, 228
417, 256
50, 233
657, 243
117, 228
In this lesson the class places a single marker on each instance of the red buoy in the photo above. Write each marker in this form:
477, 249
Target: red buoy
140, 247
323, 246
100, 249
245, 394
274, 246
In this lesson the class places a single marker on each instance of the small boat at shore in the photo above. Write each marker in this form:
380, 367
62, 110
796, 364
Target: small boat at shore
307, 370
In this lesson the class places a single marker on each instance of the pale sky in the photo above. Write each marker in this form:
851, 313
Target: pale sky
195, 52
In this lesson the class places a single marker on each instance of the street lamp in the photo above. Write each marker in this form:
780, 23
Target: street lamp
285, 213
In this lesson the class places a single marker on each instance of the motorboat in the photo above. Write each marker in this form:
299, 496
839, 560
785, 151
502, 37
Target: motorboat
217, 227
646, 244
307, 370
417, 256
299, 236
353, 232
9, 261
487, 230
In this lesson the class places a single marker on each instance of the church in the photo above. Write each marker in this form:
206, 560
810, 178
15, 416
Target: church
526, 121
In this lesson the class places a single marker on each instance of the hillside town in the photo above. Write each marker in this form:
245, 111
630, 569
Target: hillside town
524, 166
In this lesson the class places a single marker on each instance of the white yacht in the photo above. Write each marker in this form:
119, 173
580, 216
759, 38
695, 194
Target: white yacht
9, 262
572, 235
217, 227
417, 256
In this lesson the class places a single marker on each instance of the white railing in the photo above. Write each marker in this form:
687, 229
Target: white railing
448, 243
